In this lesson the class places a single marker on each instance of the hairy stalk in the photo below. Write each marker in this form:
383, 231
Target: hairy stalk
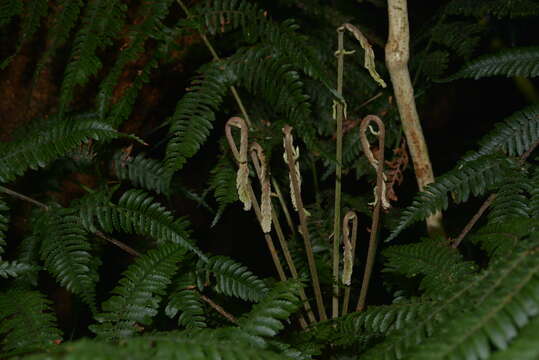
348, 256
241, 159
283, 205
257, 157
291, 156
217, 58
397, 55
338, 175
219, 309
113, 241
379, 198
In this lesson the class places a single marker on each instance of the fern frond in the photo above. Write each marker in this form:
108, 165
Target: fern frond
524, 347
533, 203
172, 345
8, 9
64, 21
440, 264
433, 64
223, 183
34, 10
497, 8
141, 172
186, 301
195, 113
53, 142
101, 21
151, 13
474, 177
522, 61
27, 323
266, 318
459, 36
66, 253
513, 137
14, 268
234, 279
511, 200
138, 294
489, 309
136, 212
503, 304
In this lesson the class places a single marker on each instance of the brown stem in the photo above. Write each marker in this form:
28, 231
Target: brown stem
292, 166
219, 309
397, 56
378, 164
257, 157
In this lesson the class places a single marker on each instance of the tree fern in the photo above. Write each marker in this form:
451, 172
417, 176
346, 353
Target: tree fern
234, 279
524, 347
67, 255
266, 318
139, 293
141, 171
27, 323
499, 238
54, 141
523, 61
101, 21
14, 268
34, 11
474, 177
186, 301
440, 264
459, 36
511, 200
533, 203
514, 136
136, 212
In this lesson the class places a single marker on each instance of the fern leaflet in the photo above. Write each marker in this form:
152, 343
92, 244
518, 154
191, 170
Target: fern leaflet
186, 301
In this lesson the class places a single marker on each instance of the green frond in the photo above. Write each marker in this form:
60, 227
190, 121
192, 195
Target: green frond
195, 113
440, 264
496, 8
234, 279
460, 36
500, 238
500, 306
67, 255
186, 301
138, 294
152, 14
521, 61
533, 202
8, 9
64, 20
40, 148
4, 223
34, 10
27, 323
136, 213
172, 345
14, 268
511, 200
101, 21
141, 171
266, 318
474, 316
121, 110
383, 319
223, 183
513, 137
433, 64
524, 347
474, 177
